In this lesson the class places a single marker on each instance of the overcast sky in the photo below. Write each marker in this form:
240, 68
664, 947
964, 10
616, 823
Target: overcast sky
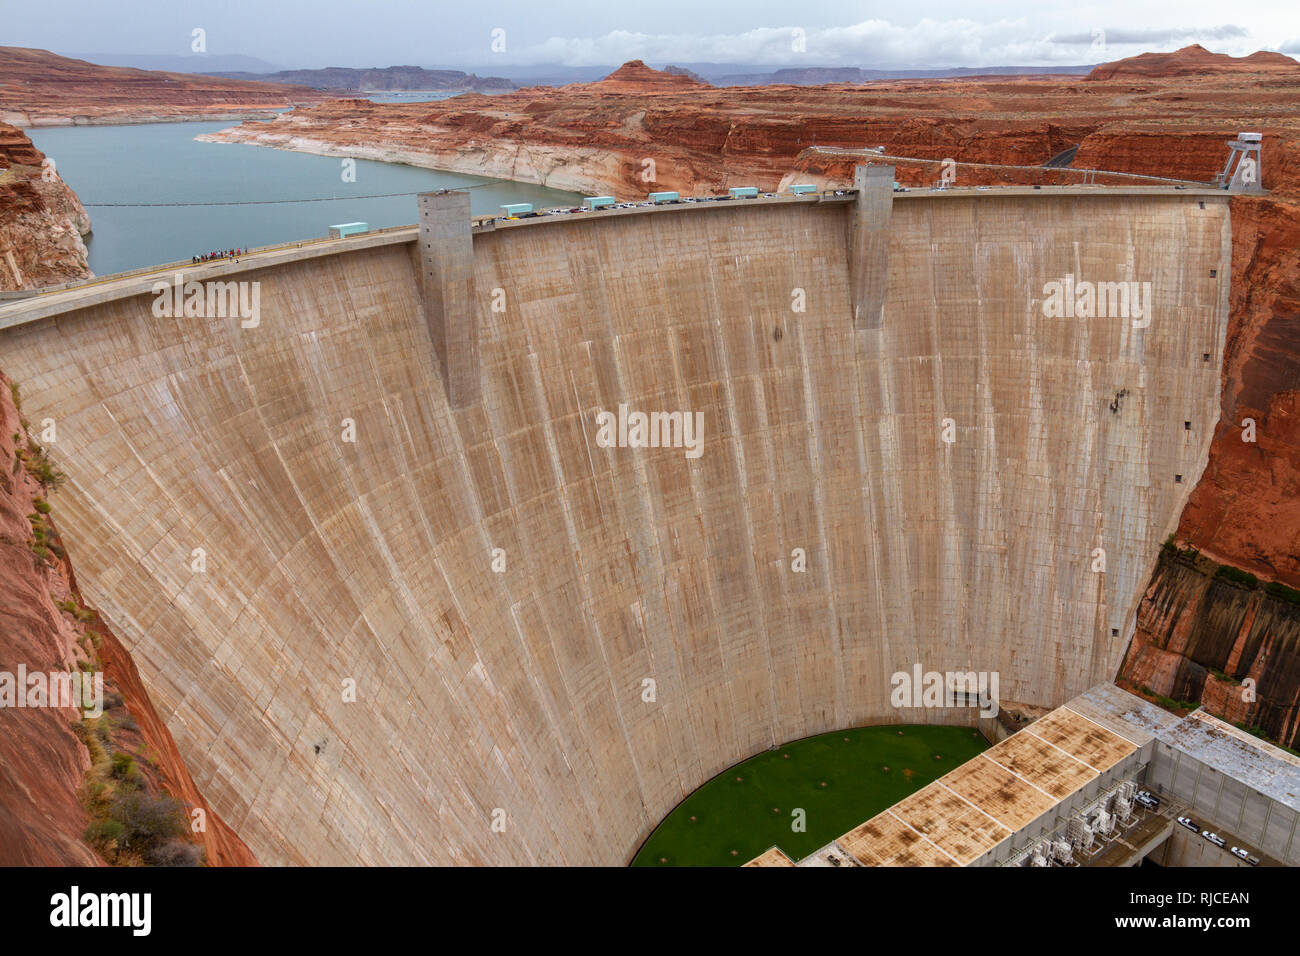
459, 33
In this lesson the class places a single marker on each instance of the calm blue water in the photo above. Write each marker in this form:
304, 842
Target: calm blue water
410, 96
160, 162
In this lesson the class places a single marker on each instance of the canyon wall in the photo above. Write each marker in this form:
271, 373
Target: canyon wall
1244, 511
42, 762
46, 628
1200, 636
411, 622
42, 221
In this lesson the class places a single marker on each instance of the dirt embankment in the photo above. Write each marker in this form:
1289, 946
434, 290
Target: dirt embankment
61, 775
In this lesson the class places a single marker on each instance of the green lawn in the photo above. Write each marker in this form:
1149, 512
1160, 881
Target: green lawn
748, 808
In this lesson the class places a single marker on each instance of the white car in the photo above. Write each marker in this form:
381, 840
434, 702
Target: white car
1242, 854
1186, 821
1215, 838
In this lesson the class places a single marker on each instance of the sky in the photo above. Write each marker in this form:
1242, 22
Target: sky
459, 34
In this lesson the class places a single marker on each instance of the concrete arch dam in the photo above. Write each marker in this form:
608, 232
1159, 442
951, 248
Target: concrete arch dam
949, 471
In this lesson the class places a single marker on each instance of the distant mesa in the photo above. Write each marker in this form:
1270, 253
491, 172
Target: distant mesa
1192, 61
388, 78
635, 75
682, 71
43, 88
824, 75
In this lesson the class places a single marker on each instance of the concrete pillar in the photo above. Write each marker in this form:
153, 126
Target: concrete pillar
869, 244
447, 287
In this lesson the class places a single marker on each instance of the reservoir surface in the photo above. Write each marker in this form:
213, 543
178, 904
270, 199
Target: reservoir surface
160, 163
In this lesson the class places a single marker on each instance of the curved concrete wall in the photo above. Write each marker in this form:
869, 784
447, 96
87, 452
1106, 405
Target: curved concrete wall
371, 561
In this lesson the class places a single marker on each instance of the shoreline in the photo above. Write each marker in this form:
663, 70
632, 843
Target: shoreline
24, 120
516, 163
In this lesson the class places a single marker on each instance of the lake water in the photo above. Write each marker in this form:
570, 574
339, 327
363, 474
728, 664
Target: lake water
161, 163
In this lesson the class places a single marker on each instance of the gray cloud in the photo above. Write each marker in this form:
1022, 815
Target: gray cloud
1154, 35
875, 43
577, 33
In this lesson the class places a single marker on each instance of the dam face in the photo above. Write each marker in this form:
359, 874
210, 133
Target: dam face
499, 586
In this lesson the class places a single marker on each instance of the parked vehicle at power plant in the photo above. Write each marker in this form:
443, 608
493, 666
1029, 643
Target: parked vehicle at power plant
1147, 799
1215, 839
1186, 821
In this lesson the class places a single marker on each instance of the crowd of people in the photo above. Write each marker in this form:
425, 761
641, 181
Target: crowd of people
213, 256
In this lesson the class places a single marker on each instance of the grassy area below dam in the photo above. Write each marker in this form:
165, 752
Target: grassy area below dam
838, 780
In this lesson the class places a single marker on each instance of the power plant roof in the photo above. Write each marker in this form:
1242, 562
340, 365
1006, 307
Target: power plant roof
1239, 755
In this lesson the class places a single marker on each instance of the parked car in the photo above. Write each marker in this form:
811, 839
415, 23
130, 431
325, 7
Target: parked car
1186, 821
1215, 838
1242, 854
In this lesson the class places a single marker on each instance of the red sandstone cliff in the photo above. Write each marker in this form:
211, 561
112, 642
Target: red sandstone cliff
41, 219
1231, 647
44, 627
40, 88
1245, 510
42, 761
598, 136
